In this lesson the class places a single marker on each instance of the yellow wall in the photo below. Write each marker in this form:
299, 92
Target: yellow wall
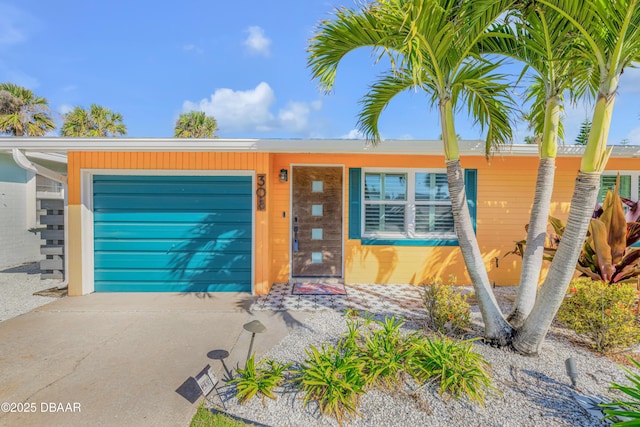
506, 187
363, 264
505, 193
258, 162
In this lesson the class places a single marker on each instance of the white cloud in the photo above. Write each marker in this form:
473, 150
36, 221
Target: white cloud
256, 42
251, 111
240, 110
634, 136
192, 48
15, 25
353, 134
65, 108
295, 117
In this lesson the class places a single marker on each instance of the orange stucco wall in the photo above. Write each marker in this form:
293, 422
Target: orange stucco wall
505, 193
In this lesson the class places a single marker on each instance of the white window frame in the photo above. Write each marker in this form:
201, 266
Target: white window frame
410, 207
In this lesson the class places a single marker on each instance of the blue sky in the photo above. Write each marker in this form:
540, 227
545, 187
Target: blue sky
243, 62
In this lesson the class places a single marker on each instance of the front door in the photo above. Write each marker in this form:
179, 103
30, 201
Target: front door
317, 221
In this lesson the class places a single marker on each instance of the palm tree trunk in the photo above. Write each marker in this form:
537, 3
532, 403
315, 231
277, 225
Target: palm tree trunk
534, 251
528, 339
497, 331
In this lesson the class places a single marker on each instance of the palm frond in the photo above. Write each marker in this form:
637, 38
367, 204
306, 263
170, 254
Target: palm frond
376, 100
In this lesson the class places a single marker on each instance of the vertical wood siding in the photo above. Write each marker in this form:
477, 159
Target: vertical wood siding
505, 193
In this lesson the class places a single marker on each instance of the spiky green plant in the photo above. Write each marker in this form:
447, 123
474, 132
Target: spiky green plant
453, 367
261, 378
626, 412
333, 378
385, 353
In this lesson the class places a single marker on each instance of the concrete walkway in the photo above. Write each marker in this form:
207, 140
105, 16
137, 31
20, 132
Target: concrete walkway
118, 359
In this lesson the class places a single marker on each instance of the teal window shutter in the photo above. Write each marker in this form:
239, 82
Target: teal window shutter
355, 213
607, 182
471, 184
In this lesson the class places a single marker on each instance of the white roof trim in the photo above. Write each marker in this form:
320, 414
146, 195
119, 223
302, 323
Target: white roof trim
339, 146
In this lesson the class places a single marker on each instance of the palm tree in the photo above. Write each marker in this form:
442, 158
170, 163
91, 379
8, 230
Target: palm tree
23, 113
433, 47
607, 35
98, 121
542, 41
195, 124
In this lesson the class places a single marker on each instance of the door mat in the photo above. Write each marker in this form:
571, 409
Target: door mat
318, 289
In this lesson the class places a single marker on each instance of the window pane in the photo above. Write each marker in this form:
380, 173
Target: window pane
395, 186
372, 186
432, 186
384, 218
607, 182
434, 218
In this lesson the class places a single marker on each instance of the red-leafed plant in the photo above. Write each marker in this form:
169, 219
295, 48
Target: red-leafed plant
607, 253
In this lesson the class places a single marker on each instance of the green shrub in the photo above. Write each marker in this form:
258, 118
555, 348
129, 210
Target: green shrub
454, 366
605, 313
447, 309
626, 412
384, 354
259, 379
332, 376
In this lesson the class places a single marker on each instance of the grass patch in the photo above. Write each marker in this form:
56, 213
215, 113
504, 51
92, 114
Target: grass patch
206, 418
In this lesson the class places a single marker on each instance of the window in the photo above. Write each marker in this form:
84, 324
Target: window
411, 204
629, 185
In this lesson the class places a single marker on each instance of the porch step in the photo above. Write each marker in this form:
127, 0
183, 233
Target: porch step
329, 280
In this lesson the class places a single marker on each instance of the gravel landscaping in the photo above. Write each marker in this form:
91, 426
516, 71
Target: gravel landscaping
533, 391
17, 285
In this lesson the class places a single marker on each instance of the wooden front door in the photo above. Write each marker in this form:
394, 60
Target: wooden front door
317, 221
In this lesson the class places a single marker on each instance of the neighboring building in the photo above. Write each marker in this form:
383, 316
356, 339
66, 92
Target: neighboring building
239, 215
24, 201
18, 216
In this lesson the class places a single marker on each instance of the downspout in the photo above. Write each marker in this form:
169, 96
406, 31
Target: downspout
22, 161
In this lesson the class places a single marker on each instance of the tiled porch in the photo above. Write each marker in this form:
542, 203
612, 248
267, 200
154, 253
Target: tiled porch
400, 300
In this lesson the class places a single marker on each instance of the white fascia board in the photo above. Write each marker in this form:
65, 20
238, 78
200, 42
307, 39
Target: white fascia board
311, 146
315, 146
50, 157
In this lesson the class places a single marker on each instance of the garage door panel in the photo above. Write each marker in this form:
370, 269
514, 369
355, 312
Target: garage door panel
193, 276
180, 232
186, 286
153, 180
234, 245
194, 217
122, 188
173, 234
174, 261
150, 203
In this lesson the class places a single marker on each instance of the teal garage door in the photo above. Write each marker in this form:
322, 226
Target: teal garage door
172, 233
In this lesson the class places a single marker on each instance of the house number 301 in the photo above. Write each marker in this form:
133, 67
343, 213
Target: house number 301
261, 191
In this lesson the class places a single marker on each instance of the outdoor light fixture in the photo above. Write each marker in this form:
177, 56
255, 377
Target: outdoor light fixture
255, 327
284, 175
572, 371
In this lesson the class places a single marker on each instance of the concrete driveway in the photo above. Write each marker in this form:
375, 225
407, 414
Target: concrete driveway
118, 359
